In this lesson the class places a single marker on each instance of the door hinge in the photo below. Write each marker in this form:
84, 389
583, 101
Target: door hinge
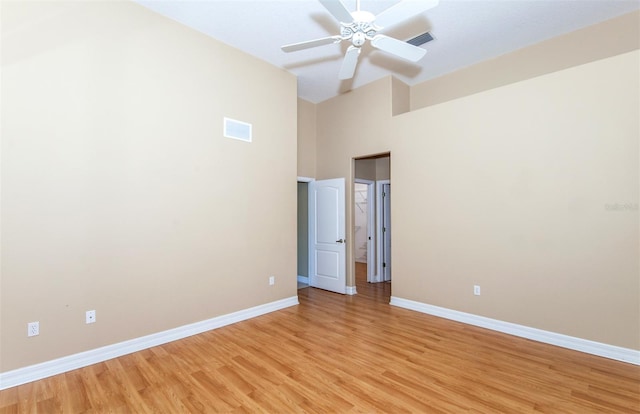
384, 229
384, 265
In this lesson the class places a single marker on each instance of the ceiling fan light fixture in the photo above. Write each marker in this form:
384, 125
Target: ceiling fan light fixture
358, 39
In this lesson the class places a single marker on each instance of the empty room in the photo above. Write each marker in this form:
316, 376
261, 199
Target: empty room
320, 206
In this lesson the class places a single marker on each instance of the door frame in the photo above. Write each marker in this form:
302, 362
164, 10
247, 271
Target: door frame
371, 226
379, 226
309, 250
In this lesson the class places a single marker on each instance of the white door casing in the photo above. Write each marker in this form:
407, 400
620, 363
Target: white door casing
386, 230
327, 243
383, 222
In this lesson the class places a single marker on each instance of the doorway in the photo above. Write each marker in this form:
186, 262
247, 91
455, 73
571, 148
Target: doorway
372, 183
303, 232
364, 203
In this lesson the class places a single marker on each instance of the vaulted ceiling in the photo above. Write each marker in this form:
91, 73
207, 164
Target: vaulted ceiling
465, 32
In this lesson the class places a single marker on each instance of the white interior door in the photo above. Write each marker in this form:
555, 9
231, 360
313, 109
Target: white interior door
327, 243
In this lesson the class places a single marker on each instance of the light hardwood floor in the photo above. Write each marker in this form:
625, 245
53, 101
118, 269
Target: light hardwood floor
337, 354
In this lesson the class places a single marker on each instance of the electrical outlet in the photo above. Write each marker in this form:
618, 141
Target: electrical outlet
272, 280
476, 290
91, 316
33, 328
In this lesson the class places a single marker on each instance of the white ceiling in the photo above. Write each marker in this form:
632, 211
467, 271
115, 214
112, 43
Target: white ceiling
465, 31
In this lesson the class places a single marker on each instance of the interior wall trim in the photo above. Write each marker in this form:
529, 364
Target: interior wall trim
617, 353
60, 365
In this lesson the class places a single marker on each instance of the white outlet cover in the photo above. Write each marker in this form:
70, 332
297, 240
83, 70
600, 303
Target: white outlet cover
33, 328
91, 316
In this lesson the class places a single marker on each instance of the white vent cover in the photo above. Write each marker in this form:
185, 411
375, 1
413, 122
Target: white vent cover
237, 129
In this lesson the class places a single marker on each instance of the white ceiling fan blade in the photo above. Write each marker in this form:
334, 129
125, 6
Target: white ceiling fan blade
349, 63
398, 48
402, 11
338, 10
310, 43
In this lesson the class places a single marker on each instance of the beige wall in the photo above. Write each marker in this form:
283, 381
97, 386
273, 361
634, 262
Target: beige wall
365, 169
119, 193
306, 139
401, 97
372, 168
610, 38
518, 183
383, 168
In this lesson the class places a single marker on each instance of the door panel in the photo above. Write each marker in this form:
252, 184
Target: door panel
327, 234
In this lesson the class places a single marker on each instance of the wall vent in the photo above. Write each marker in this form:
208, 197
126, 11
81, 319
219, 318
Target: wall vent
237, 129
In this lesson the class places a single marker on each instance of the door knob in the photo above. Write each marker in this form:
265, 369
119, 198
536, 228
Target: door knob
341, 241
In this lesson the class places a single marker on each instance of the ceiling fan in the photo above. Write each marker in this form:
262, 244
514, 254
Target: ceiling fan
360, 26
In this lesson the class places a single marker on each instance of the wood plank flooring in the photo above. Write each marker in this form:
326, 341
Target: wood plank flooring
339, 354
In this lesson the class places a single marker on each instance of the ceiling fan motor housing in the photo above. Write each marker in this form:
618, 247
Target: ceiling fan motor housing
360, 29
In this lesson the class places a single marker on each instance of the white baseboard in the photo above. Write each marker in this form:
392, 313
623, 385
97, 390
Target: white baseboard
577, 344
303, 279
351, 290
57, 366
